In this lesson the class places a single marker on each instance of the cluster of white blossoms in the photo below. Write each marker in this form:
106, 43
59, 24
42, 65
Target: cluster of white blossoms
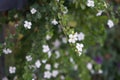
48, 74
33, 11
76, 37
110, 23
7, 51
12, 69
37, 63
90, 3
90, 68
73, 38
54, 22
27, 24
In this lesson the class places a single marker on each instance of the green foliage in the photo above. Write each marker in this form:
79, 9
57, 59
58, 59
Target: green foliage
72, 16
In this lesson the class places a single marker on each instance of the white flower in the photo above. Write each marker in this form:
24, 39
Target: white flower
76, 35
48, 37
92, 71
100, 71
72, 38
29, 58
44, 61
57, 54
16, 16
7, 51
89, 66
57, 0
99, 13
49, 54
47, 74
4, 78
33, 11
27, 24
79, 48
81, 36
110, 23
62, 77
54, 22
56, 65
48, 67
56, 43
55, 73
12, 69
45, 48
64, 40
71, 60
79, 53
38, 64
75, 67
90, 3
65, 10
